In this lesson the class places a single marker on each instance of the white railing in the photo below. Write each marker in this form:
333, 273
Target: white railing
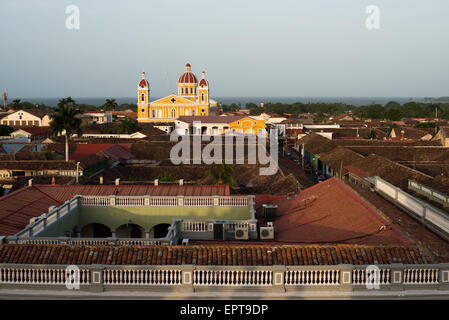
233, 201
365, 276
143, 277
207, 277
232, 226
47, 219
194, 226
312, 277
49, 276
170, 201
198, 201
421, 276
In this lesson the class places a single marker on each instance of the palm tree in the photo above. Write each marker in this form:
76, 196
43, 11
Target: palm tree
128, 126
222, 174
110, 104
64, 121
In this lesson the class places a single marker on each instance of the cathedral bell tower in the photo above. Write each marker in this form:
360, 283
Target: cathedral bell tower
203, 95
143, 98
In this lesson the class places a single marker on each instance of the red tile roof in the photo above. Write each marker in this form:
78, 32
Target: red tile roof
84, 149
18, 207
118, 152
211, 255
329, 212
357, 171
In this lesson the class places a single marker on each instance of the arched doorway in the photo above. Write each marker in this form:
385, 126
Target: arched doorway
160, 230
96, 230
130, 230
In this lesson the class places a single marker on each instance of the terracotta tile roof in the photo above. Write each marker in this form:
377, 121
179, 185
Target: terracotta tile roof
357, 171
33, 130
18, 207
249, 255
329, 212
118, 152
339, 155
314, 143
84, 149
38, 165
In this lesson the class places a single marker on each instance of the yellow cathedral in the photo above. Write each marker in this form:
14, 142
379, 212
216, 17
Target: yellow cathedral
192, 99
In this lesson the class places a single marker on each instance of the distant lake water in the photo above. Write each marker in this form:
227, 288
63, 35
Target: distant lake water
357, 101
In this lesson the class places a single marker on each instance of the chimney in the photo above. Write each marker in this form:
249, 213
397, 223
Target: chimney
203, 74
156, 182
181, 182
117, 181
143, 75
30, 182
101, 179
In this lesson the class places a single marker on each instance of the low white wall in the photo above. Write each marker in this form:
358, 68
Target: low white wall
431, 215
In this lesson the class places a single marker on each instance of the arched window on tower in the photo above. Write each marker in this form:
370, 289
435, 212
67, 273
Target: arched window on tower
173, 113
142, 98
191, 90
202, 97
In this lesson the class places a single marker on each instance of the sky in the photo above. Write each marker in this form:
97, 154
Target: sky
294, 48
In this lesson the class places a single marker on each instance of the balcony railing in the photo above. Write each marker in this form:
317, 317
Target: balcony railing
395, 277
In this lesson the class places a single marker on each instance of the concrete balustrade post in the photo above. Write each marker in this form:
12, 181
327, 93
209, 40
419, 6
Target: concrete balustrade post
187, 278
216, 200
346, 277
96, 278
443, 276
112, 200
278, 278
147, 200
180, 201
397, 277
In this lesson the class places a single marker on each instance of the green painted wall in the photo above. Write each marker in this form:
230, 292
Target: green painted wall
148, 217
59, 228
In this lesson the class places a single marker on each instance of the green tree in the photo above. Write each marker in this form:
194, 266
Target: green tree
128, 126
5, 130
319, 117
222, 174
64, 121
110, 104
393, 114
372, 135
16, 104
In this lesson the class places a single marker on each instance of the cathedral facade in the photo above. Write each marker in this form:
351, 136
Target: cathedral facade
192, 99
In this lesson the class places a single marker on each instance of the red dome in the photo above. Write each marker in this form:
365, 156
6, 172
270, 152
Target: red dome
187, 77
203, 82
144, 83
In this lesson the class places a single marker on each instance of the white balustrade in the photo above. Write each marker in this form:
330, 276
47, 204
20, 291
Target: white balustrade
142, 277
205, 277
368, 277
421, 276
48, 276
312, 277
